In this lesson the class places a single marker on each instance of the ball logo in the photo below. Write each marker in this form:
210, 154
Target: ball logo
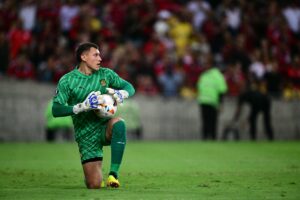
107, 108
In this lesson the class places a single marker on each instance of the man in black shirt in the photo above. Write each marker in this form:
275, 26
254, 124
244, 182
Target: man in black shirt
258, 102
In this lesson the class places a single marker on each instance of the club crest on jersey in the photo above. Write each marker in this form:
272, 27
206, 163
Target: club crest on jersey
103, 82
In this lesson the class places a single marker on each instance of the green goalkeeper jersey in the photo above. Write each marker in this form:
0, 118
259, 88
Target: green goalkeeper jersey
74, 87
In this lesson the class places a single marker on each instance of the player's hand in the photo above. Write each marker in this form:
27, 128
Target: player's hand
92, 100
90, 103
100, 103
118, 95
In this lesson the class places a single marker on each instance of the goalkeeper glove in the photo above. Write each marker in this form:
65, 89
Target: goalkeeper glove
90, 103
118, 95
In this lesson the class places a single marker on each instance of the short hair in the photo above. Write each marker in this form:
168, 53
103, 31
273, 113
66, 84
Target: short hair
82, 48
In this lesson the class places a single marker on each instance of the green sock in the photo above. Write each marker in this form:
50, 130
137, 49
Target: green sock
118, 142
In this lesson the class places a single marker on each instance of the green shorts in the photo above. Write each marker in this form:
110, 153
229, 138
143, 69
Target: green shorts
91, 145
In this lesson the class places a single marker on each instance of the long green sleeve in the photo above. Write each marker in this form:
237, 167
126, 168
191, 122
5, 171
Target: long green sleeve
128, 87
59, 110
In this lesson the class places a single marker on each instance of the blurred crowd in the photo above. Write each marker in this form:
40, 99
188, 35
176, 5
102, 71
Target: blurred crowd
160, 46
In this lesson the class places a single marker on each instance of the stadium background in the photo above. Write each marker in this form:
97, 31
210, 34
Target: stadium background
144, 42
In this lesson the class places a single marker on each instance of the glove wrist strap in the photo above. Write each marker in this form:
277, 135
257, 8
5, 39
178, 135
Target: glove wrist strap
78, 108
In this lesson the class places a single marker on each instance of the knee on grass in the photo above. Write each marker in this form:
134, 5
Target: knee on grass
93, 184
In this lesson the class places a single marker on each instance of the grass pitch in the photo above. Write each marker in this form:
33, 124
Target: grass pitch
156, 170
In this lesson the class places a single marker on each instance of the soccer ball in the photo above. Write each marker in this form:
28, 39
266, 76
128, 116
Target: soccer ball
109, 106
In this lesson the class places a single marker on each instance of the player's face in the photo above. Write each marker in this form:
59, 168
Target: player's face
92, 58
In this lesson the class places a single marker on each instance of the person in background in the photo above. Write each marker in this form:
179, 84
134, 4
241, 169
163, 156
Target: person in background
55, 126
170, 81
211, 86
130, 112
259, 102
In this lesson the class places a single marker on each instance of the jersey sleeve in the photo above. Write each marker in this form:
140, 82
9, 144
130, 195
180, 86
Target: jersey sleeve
116, 82
59, 110
60, 106
62, 92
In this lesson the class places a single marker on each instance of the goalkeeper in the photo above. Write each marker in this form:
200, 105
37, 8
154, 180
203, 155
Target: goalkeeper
78, 94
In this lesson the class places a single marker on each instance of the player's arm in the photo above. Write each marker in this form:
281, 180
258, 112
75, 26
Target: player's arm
126, 90
91, 102
125, 85
120, 88
59, 110
60, 106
